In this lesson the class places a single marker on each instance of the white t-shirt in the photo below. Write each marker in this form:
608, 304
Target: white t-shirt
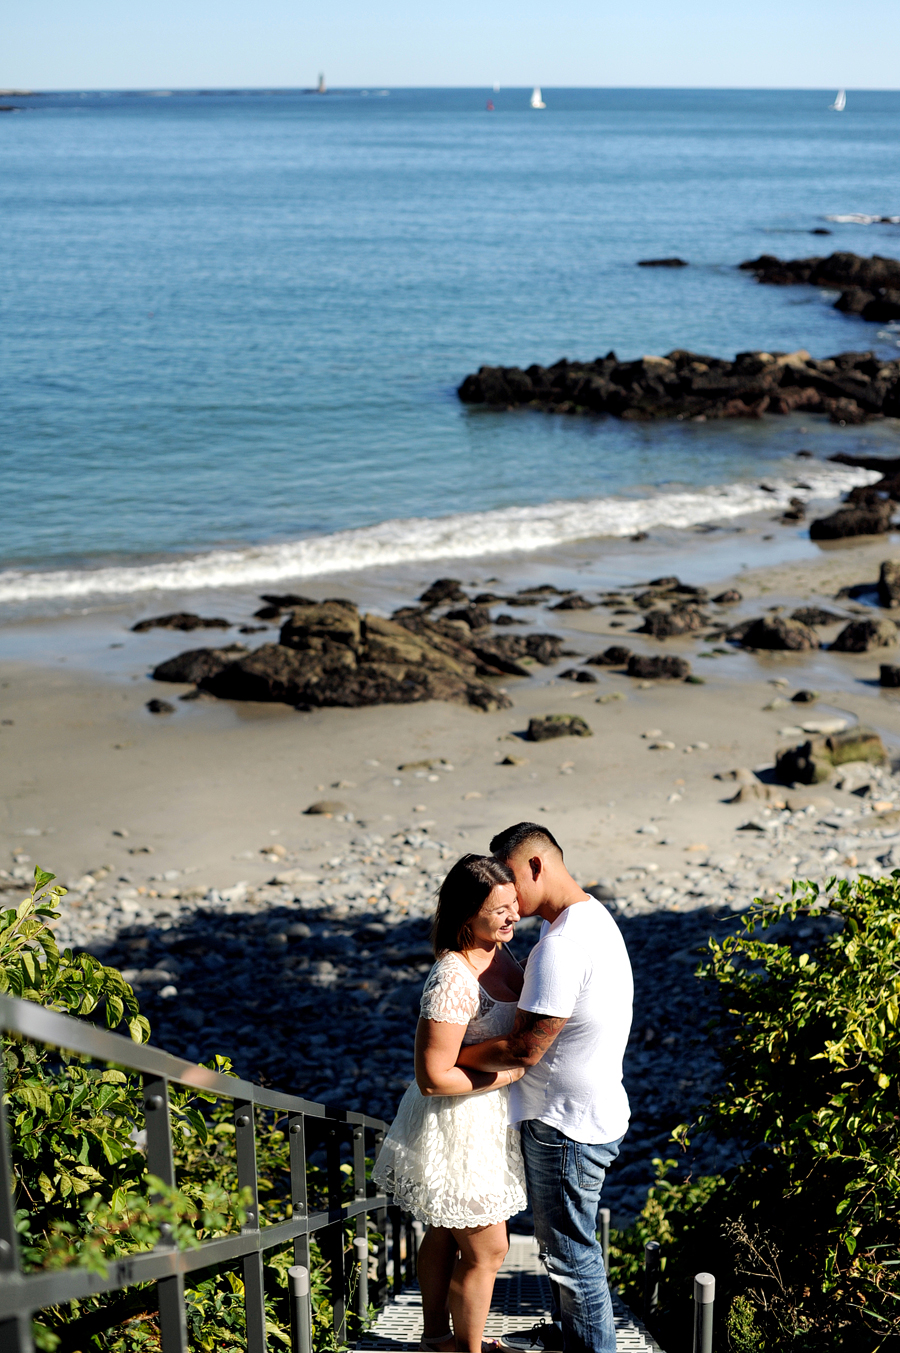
580, 970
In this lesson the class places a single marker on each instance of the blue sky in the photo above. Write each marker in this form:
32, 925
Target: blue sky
133, 44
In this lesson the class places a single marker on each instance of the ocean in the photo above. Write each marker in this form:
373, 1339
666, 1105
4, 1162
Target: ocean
233, 323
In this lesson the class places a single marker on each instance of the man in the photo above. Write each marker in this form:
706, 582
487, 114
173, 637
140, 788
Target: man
570, 1033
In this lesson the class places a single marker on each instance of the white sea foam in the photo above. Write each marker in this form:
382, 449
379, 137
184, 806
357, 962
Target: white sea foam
859, 218
464, 535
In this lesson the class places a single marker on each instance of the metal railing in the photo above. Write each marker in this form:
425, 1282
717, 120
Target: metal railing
23, 1295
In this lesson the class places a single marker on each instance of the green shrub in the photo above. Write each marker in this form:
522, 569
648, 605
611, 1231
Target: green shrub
82, 1192
802, 1236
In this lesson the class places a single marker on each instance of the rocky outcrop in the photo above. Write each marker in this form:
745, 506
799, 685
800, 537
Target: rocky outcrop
614, 656
866, 519
861, 636
662, 263
776, 632
181, 620
850, 387
869, 287
330, 654
811, 762
557, 726
816, 615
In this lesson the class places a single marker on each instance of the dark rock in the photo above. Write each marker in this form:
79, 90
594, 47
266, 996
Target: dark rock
815, 615
889, 584
795, 512
662, 263
804, 697
861, 636
197, 663
319, 628
728, 598
557, 726
285, 600
160, 707
819, 230
325, 808
869, 287
849, 387
679, 620
575, 603
252, 629
614, 656
181, 620
775, 632
811, 762
476, 617
445, 589
869, 520
488, 599
667, 668
578, 674
668, 582
506, 620
889, 674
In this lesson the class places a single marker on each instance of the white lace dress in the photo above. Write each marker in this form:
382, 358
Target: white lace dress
453, 1160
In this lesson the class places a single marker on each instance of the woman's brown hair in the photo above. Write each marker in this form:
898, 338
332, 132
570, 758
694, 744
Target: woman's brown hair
461, 897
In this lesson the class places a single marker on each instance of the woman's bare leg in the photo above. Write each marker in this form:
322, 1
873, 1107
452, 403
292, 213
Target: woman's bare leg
437, 1257
481, 1252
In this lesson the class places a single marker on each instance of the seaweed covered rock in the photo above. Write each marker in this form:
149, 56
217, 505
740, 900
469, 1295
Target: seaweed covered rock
658, 668
663, 624
557, 726
811, 762
863, 519
181, 620
616, 655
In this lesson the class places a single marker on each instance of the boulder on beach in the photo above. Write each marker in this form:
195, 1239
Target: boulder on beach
614, 656
679, 620
476, 617
775, 632
729, 597
811, 762
557, 726
864, 519
574, 603
889, 674
160, 707
444, 589
658, 668
861, 636
197, 663
816, 615
330, 654
181, 620
889, 583
578, 674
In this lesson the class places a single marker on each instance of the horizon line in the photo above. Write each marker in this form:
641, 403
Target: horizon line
24, 91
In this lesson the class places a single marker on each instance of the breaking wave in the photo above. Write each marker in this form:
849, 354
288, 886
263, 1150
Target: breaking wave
400, 541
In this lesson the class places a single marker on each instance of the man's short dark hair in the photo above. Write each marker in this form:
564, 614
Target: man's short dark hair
506, 843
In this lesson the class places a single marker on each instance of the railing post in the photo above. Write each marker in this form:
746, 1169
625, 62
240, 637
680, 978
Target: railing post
381, 1225
254, 1296
299, 1195
160, 1162
333, 1237
301, 1315
604, 1238
704, 1297
361, 1248
361, 1243
15, 1334
652, 1267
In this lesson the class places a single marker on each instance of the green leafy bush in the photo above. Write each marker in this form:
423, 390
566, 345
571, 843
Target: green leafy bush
802, 1236
83, 1195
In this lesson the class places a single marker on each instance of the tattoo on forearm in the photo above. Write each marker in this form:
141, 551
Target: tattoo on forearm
533, 1033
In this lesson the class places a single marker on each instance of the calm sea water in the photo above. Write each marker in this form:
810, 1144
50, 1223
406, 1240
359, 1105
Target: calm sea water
233, 321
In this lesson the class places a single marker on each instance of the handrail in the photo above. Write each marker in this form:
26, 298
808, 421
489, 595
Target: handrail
22, 1295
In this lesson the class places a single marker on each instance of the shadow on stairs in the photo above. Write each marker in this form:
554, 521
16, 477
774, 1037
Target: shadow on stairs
521, 1299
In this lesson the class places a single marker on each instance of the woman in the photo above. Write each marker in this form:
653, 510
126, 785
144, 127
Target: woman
449, 1157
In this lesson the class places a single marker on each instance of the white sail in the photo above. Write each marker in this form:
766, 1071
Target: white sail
840, 101
536, 100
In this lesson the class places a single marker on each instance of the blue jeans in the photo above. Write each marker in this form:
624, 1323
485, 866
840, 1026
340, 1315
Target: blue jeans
564, 1180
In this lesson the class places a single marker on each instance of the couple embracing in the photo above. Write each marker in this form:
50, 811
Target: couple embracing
518, 1086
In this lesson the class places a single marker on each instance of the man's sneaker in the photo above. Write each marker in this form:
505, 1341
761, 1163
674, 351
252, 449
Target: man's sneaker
540, 1337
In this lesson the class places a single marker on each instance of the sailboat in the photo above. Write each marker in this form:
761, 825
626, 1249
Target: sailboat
840, 101
536, 100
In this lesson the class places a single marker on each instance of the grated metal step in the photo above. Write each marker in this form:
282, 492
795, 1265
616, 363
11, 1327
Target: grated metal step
521, 1299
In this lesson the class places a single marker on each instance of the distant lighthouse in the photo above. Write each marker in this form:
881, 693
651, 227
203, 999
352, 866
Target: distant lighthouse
321, 87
